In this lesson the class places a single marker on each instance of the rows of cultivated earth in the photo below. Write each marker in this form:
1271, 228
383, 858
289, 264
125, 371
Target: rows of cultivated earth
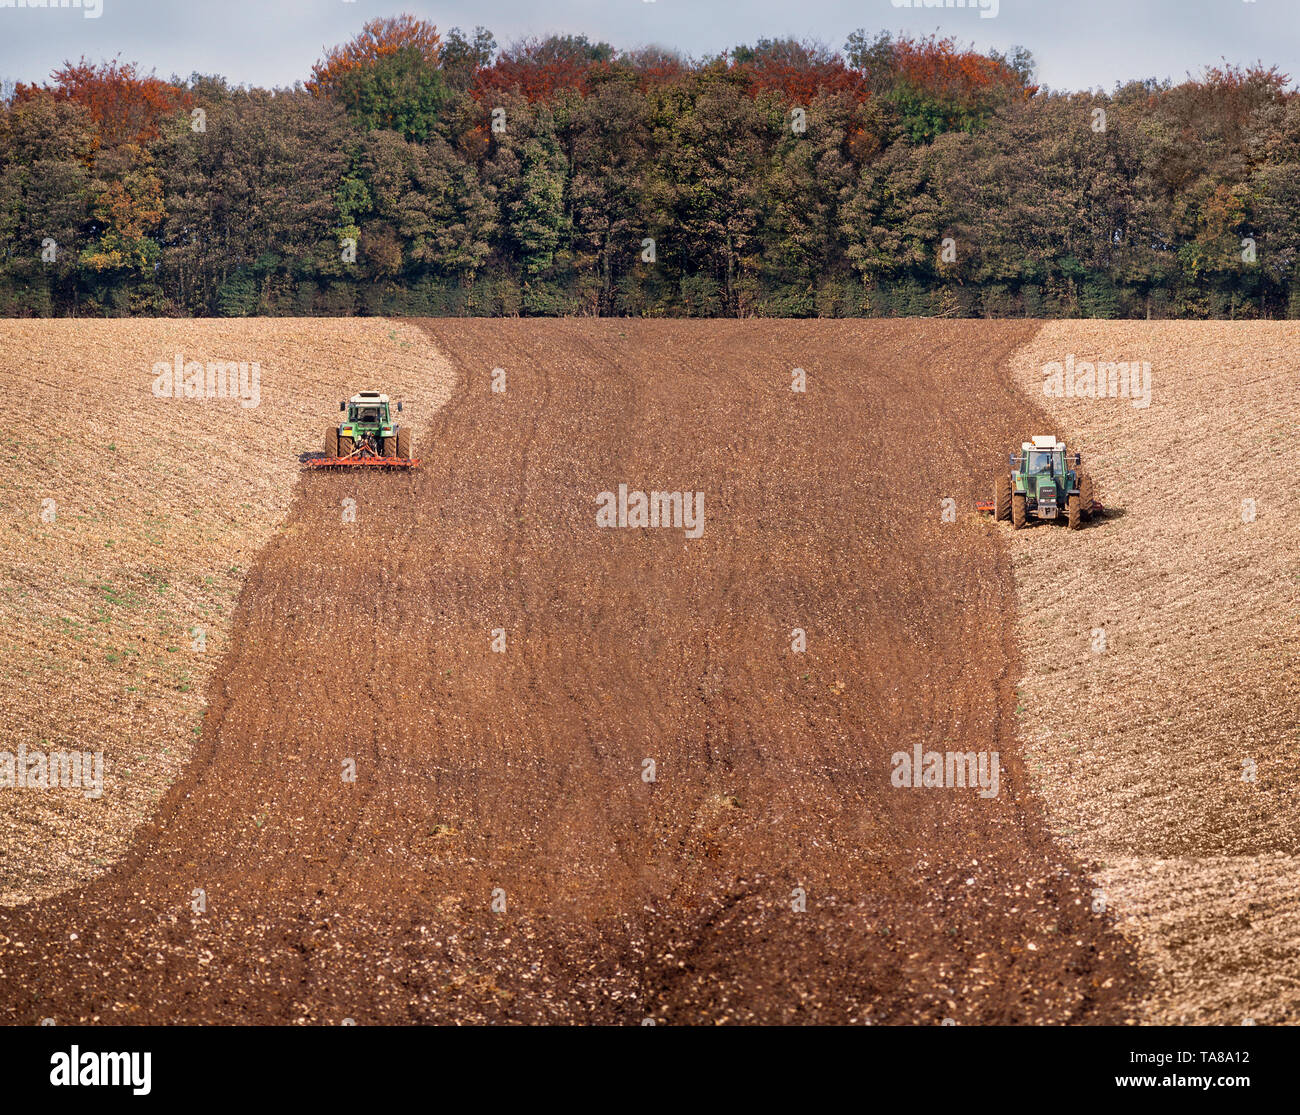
480, 747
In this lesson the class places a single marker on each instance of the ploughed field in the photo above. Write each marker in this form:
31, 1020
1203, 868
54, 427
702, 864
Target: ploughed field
469, 755
1161, 652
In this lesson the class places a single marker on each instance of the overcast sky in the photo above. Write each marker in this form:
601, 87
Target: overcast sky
1078, 45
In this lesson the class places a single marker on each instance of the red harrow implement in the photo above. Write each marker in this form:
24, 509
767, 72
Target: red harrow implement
364, 456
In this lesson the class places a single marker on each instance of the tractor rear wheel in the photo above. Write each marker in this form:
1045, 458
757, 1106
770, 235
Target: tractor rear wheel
1002, 498
404, 443
1073, 512
1018, 510
346, 445
388, 447
1085, 493
332, 442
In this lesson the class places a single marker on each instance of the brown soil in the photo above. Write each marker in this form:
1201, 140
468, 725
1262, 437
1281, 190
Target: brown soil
518, 776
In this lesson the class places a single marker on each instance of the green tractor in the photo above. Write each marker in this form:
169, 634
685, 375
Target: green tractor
368, 435
1043, 482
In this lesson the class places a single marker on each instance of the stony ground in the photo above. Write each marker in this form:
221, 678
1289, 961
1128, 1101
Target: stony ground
341, 802
468, 756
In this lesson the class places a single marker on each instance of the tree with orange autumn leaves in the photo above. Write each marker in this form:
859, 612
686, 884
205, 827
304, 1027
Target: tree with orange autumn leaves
124, 105
124, 111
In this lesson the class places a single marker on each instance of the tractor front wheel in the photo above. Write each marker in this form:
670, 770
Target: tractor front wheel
1073, 511
1018, 510
404, 443
1002, 498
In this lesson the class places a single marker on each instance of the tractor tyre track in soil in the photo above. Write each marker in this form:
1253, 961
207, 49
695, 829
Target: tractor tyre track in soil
519, 774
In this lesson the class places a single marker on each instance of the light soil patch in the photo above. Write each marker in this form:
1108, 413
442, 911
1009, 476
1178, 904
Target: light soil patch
1161, 650
128, 523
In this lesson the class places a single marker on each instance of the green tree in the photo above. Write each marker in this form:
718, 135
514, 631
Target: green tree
45, 203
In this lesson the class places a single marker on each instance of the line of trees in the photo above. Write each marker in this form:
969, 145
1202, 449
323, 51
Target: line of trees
420, 174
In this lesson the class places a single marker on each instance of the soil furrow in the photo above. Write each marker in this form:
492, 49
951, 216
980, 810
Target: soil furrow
502, 854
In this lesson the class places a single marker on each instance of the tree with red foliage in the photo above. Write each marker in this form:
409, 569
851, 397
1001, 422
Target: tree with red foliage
797, 70
539, 69
652, 66
964, 77
124, 105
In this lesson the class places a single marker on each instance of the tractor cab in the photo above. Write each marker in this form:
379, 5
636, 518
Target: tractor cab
1043, 475
368, 412
1044, 460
